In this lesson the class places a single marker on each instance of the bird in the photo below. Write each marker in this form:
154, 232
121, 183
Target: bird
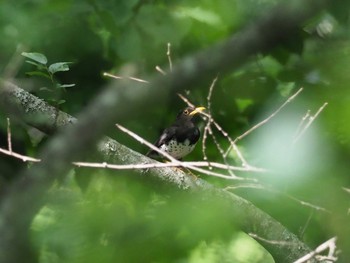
181, 137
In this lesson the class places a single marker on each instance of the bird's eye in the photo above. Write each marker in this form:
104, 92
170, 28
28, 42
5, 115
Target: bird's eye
186, 112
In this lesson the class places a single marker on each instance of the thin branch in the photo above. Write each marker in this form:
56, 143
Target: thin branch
207, 128
311, 120
10, 152
185, 100
168, 53
127, 166
159, 69
210, 93
68, 145
162, 165
301, 124
329, 244
167, 164
119, 77
262, 187
307, 223
272, 242
169, 157
24, 158
9, 142
265, 120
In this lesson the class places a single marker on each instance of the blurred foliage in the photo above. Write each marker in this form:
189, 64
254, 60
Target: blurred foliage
126, 221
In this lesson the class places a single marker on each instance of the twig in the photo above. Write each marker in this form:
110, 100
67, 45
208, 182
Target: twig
19, 156
169, 157
307, 223
232, 145
185, 100
207, 128
210, 120
211, 88
9, 142
10, 152
168, 53
163, 165
311, 119
119, 77
264, 121
262, 187
346, 189
329, 244
160, 70
301, 124
273, 242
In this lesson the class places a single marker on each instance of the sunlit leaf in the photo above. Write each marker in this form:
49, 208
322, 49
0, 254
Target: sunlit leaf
38, 57
59, 66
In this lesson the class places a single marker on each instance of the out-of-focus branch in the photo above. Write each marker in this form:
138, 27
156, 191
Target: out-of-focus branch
126, 100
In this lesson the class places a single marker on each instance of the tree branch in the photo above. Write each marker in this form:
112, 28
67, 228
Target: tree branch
27, 195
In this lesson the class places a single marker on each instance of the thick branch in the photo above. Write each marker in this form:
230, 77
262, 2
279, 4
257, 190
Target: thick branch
26, 196
253, 220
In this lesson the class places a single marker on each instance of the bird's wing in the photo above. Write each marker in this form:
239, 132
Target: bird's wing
166, 136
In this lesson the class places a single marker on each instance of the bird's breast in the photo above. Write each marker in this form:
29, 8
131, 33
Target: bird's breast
178, 149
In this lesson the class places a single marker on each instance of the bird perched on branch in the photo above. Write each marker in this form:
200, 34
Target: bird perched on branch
181, 137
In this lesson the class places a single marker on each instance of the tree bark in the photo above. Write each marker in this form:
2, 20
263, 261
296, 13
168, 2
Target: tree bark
27, 195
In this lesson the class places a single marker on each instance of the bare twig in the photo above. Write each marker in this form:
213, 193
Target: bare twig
119, 77
168, 53
10, 152
264, 121
346, 189
207, 128
169, 157
160, 70
307, 223
24, 158
185, 100
128, 166
273, 242
162, 165
329, 244
262, 187
211, 88
9, 141
301, 124
307, 125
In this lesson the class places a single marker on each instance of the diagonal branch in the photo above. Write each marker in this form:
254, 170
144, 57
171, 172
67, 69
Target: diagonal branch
26, 196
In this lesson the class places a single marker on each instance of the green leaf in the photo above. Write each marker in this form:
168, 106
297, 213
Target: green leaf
285, 88
38, 65
65, 85
38, 73
243, 104
37, 57
60, 102
201, 15
59, 66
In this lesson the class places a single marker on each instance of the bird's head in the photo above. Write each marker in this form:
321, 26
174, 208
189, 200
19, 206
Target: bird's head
189, 112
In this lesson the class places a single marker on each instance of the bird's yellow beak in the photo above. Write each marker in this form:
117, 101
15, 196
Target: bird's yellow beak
197, 110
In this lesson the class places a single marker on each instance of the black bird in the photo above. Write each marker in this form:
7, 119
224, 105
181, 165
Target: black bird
181, 137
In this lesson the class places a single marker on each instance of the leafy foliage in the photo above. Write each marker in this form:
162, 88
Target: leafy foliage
48, 71
124, 220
